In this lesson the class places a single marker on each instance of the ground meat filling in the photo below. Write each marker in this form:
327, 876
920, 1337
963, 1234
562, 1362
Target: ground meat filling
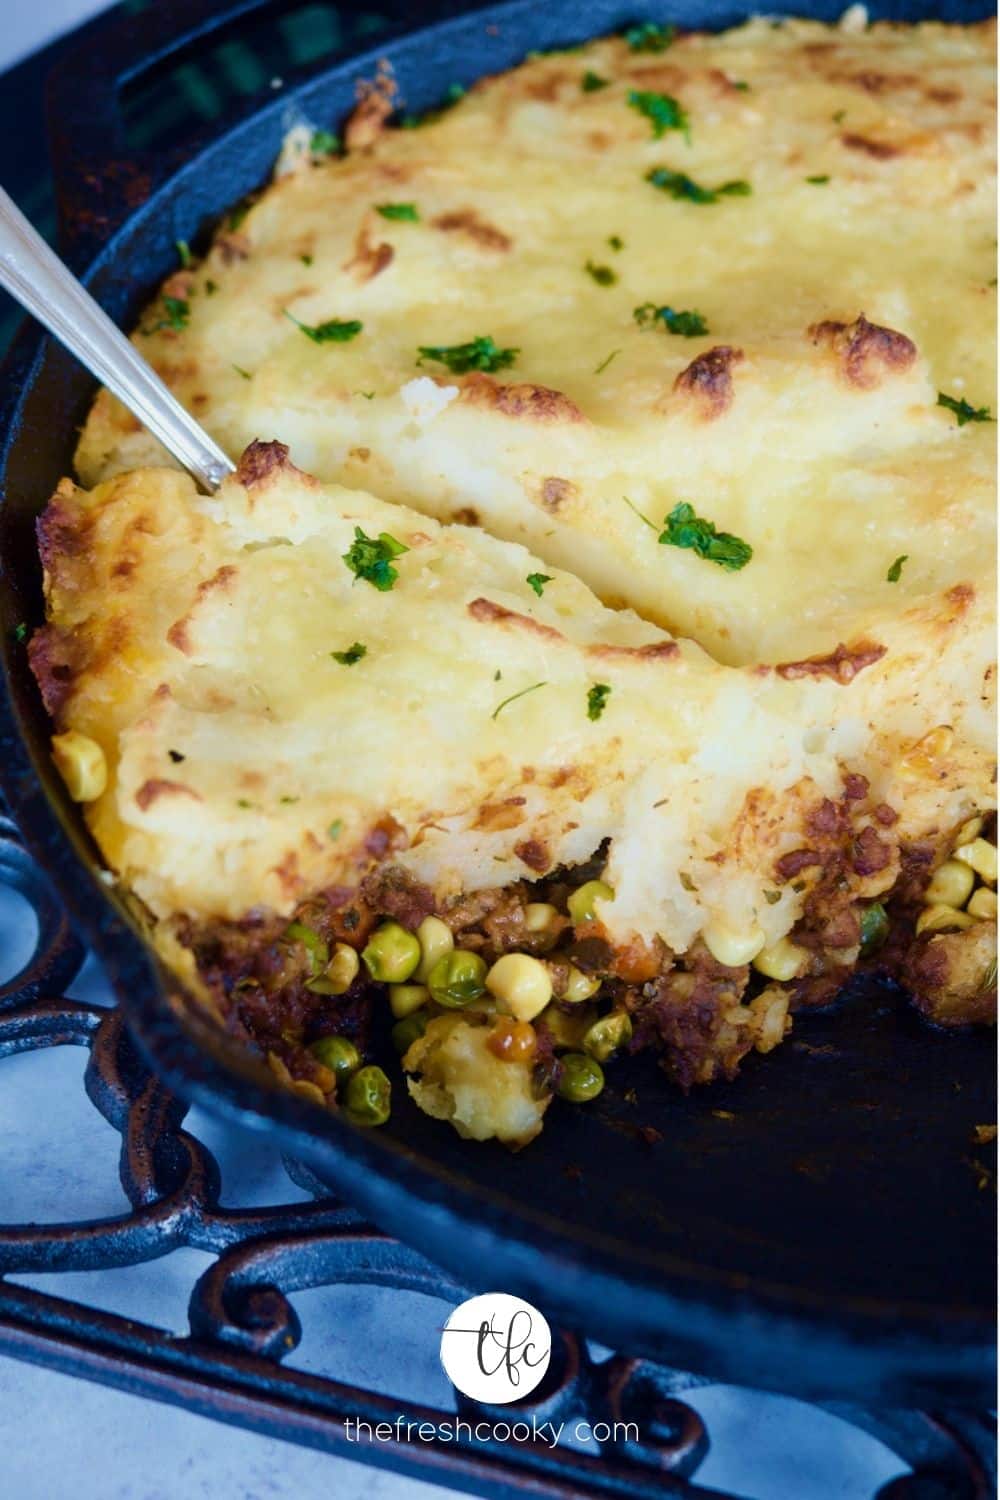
866, 901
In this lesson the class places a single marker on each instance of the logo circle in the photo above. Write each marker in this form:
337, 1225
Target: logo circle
496, 1348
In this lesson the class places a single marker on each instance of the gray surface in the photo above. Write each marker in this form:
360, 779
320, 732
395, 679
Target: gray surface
29, 25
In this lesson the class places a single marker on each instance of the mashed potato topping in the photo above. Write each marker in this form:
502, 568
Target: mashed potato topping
772, 357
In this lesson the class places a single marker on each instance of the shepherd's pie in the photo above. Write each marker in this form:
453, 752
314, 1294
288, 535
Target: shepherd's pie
594, 648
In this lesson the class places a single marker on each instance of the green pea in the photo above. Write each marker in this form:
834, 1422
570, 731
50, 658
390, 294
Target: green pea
407, 1031
319, 953
367, 1096
392, 954
874, 929
457, 979
581, 904
582, 1077
604, 1038
336, 1053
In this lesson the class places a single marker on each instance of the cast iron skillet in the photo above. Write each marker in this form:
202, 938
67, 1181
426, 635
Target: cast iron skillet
817, 1225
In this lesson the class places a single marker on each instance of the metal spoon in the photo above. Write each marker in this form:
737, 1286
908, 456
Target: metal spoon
36, 276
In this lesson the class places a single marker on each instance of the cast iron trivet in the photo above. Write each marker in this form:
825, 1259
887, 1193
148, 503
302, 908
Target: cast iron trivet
242, 1325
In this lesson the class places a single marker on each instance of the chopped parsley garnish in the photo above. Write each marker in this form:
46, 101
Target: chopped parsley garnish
679, 185
183, 253
514, 697
403, 212
334, 831
178, 311
244, 374
963, 411
243, 802
20, 632
287, 801
603, 275
605, 362
353, 653
176, 756
324, 143
741, 84
478, 354
334, 331
591, 82
211, 287
537, 52
682, 528
874, 928
686, 324
839, 117
597, 699
820, 181
370, 558
616, 242
895, 571
306, 260
453, 94
566, 51
648, 37
772, 897
661, 110
537, 581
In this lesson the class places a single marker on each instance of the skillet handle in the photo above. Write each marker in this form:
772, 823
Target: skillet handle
100, 178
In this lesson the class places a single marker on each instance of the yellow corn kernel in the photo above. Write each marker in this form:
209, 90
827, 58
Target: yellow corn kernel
404, 999
969, 831
983, 905
730, 947
981, 857
342, 970
782, 960
435, 939
520, 984
280, 1069
81, 764
538, 915
950, 885
579, 986
940, 918
770, 1010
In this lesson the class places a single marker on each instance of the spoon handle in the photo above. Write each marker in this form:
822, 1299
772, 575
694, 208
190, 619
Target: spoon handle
37, 278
